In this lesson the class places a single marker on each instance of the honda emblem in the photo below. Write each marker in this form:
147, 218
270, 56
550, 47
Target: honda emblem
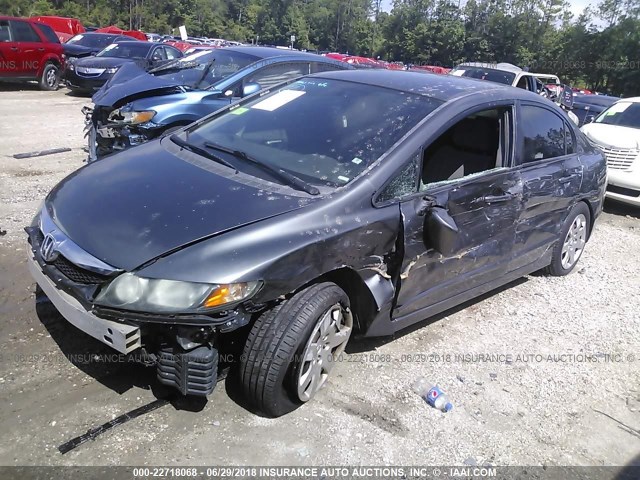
48, 248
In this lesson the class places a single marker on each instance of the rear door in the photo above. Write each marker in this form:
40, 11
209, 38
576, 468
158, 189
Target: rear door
551, 174
30, 48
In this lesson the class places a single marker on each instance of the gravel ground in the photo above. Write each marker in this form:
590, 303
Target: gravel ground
543, 372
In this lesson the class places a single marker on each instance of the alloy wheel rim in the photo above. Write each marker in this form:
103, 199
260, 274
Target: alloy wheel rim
51, 77
327, 340
574, 242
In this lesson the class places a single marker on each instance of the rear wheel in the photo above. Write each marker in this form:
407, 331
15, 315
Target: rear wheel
50, 78
292, 348
571, 242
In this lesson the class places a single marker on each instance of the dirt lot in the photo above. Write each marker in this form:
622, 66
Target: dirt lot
544, 372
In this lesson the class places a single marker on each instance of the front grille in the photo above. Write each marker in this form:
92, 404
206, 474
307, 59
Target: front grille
77, 274
629, 192
619, 158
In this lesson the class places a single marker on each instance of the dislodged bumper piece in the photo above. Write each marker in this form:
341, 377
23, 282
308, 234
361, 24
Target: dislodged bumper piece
122, 337
193, 373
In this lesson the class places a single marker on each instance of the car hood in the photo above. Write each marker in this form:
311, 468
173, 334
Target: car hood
104, 62
613, 136
74, 50
131, 82
145, 202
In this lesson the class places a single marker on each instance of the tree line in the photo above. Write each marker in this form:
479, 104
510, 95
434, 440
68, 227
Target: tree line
599, 50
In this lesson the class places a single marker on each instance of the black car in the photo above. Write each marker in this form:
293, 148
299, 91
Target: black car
87, 44
587, 106
87, 75
347, 202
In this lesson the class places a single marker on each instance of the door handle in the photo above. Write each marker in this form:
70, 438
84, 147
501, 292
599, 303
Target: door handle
14, 49
568, 178
504, 197
41, 49
426, 204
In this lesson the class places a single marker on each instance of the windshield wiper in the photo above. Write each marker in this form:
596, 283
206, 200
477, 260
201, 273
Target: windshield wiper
205, 72
283, 175
200, 151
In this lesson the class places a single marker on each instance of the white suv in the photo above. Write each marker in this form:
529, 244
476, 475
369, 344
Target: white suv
617, 132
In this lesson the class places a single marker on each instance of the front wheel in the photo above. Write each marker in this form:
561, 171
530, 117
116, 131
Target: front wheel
50, 78
571, 242
292, 348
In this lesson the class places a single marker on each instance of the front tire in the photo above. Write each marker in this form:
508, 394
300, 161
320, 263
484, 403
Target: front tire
291, 349
571, 242
50, 79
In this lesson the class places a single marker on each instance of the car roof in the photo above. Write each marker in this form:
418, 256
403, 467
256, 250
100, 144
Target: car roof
503, 66
441, 87
630, 99
267, 52
603, 100
139, 42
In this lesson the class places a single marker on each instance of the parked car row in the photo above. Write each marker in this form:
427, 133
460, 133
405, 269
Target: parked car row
89, 74
137, 106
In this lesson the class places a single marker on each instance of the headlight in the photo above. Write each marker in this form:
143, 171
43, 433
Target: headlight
131, 117
130, 292
112, 70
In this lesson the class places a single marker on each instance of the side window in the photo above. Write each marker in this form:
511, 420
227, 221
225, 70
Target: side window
476, 144
158, 54
568, 137
543, 134
23, 32
318, 67
273, 74
404, 183
5, 33
48, 33
172, 53
523, 83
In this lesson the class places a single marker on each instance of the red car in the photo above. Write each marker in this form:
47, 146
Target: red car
30, 51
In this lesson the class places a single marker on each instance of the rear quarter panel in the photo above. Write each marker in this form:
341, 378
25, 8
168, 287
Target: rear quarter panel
594, 176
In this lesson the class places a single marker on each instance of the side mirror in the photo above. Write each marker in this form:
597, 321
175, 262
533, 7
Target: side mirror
441, 231
589, 118
250, 88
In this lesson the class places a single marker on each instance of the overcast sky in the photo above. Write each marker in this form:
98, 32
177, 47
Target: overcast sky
576, 5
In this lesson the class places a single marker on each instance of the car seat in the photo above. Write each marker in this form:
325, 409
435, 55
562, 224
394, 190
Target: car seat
468, 147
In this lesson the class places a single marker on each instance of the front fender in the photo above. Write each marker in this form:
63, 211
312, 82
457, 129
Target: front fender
50, 58
291, 250
183, 108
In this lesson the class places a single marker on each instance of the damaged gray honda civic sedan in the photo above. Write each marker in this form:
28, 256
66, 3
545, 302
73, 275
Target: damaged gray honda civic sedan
339, 204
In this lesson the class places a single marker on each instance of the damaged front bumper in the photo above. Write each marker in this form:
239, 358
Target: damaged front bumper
120, 336
105, 137
184, 349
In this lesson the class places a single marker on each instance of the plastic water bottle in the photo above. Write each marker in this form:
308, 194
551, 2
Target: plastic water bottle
432, 394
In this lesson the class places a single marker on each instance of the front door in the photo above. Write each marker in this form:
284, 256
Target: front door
459, 234
9, 52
